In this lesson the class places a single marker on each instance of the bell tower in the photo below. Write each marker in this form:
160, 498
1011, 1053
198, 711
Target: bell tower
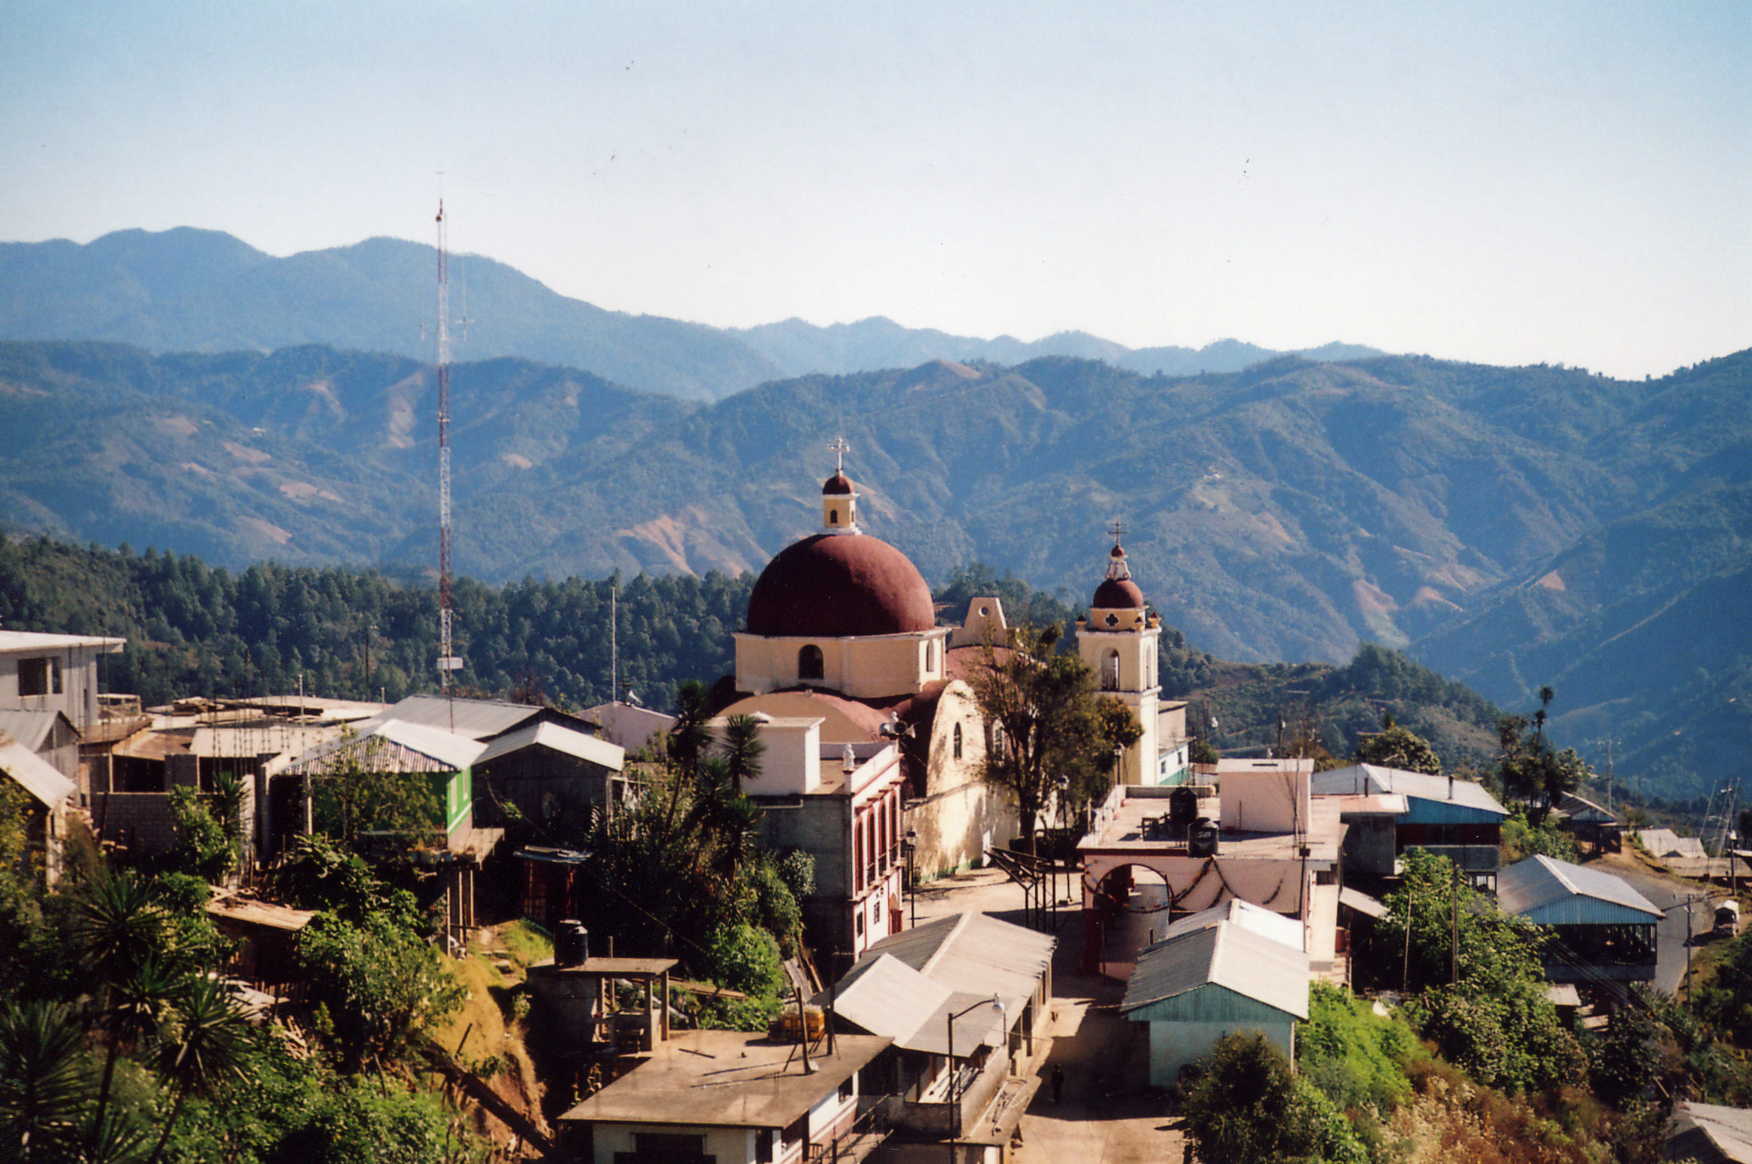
839, 497
1118, 642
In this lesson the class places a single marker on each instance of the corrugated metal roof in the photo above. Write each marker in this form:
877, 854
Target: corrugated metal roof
973, 957
475, 718
261, 913
1728, 1129
1226, 955
1245, 914
559, 739
30, 728
266, 739
1361, 779
1580, 808
1667, 843
1560, 893
33, 773
1361, 902
885, 996
443, 750
19, 641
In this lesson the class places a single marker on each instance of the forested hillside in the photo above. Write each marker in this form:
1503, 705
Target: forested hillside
195, 629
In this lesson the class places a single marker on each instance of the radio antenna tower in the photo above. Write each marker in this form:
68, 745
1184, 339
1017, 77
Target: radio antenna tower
447, 660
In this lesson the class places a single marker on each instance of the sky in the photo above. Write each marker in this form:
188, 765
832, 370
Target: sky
1508, 183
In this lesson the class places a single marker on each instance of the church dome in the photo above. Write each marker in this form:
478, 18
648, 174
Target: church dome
1117, 594
834, 585
839, 483
1117, 591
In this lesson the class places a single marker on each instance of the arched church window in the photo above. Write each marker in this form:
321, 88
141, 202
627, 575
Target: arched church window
957, 749
809, 664
1110, 671
833, 517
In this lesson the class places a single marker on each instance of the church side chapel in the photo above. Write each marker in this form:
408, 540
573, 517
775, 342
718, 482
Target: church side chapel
842, 628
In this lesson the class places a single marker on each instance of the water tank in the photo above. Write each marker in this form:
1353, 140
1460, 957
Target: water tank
1183, 806
571, 943
1201, 838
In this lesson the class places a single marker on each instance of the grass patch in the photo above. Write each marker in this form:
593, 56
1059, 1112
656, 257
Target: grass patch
526, 942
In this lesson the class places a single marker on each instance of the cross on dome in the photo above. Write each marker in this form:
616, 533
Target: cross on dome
839, 448
1116, 527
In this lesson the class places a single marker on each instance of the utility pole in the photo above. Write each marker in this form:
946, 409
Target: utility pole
1405, 969
1454, 929
447, 660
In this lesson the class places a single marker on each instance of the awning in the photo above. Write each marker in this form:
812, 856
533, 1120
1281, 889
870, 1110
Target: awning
1361, 902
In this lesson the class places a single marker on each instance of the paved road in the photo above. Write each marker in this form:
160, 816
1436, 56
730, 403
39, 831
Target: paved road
1669, 895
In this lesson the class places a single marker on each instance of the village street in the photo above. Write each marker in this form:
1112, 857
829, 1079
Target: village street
1674, 897
1105, 1116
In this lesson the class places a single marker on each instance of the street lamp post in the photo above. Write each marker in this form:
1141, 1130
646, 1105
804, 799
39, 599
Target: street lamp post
994, 1001
908, 847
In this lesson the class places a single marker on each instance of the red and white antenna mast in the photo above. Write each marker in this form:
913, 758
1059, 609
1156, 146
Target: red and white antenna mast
447, 660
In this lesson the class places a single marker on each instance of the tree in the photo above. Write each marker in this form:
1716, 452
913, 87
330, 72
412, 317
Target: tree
381, 985
1530, 771
1047, 725
44, 1080
1244, 1106
356, 794
205, 1046
1397, 746
1482, 983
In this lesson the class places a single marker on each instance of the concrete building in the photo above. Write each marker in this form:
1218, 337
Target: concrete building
842, 804
1457, 819
1264, 839
48, 672
728, 1097
1605, 928
1211, 980
631, 726
541, 781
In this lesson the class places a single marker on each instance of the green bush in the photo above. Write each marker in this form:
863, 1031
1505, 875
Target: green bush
1353, 1055
1243, 1106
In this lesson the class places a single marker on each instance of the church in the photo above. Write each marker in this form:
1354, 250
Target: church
842, 629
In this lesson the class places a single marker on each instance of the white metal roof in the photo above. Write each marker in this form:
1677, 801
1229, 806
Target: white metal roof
18, 642
1728, 1129
1368, 779
31, 727
1226, 955
975, 956
885, 996
33, 773
261, 739
1667, 843
477, 719
442, 749
559, 739
1361, 902
1540, 887
1245, 914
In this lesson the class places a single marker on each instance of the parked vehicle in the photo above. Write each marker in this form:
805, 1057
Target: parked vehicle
1727, 918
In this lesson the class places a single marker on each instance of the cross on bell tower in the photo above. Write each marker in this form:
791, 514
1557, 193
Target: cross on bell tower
839, 497
1117, 641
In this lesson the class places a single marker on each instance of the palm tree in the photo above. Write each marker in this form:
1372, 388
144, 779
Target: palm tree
742, 749
117, 926
45, 1079
208, 1038
137, 1006
688, 738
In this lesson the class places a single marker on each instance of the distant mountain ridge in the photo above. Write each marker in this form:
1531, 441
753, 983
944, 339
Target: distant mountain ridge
191, 290
1509, 526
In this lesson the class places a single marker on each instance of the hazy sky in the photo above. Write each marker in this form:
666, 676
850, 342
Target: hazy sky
1513, 182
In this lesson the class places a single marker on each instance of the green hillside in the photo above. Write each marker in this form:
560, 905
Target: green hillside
1291, 511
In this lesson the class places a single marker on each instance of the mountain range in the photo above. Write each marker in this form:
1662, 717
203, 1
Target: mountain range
1511, 527
188, 290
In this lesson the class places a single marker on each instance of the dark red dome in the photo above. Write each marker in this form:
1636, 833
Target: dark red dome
1118, 594
832, 585
837, 484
